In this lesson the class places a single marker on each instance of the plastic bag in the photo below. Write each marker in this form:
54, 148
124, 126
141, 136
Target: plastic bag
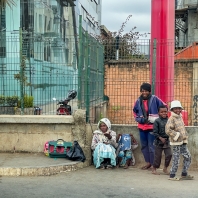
152, 118
76, 153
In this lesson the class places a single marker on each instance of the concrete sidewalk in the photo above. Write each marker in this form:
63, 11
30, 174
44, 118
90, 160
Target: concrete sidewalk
34, 164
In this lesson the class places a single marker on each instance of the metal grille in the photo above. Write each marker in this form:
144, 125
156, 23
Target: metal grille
51, 71
124, 76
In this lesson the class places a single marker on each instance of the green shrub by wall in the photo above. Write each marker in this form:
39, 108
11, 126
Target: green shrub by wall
2, 99
28, 102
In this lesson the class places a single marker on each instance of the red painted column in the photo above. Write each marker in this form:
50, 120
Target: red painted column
163, 30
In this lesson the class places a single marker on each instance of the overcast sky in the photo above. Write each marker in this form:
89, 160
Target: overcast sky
115, 12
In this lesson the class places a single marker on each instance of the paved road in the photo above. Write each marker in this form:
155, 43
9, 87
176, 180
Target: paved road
89, 182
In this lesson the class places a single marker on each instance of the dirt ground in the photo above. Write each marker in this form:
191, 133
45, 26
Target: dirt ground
96, 183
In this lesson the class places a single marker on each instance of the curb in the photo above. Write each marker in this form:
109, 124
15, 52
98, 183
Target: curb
41, 170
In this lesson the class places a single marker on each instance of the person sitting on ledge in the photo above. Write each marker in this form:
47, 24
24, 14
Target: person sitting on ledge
104, 145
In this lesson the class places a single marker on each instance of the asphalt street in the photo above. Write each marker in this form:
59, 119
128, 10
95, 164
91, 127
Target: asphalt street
96, 183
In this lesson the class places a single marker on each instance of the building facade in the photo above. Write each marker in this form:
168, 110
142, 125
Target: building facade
42, 55
186, 24
37, 37
91, 15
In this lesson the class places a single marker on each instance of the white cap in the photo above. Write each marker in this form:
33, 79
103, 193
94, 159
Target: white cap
176, 103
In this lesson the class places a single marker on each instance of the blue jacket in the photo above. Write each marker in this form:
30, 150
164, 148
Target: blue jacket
153, 105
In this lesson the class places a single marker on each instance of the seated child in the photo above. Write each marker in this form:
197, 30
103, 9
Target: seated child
125, 154
103, 145
161, 141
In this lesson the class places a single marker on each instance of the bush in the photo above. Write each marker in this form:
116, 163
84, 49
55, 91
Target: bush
28, 102
2, 99
12, 100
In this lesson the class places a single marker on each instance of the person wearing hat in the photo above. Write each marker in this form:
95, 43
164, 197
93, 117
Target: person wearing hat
178, 137
145, 113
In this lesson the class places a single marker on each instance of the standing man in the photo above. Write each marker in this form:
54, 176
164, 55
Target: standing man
145, 113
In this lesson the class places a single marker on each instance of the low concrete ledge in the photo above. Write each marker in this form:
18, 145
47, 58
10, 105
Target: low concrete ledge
36, 164
42, 119
40, 170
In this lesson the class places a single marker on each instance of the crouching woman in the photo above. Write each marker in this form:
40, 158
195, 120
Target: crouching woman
104, 145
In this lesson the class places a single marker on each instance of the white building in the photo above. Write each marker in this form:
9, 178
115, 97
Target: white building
91, 15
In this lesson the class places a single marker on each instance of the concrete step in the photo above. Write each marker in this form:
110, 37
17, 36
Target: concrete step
35, 164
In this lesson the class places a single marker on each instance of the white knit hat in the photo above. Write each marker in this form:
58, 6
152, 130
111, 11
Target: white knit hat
176, 103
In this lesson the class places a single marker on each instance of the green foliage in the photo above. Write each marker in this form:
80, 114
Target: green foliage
21, 75
12, 100
2, 99
28, 101
116, 107
8, 100
127, 43
101, 116
10, 3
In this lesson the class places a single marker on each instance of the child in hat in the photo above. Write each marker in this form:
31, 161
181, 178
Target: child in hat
178, 136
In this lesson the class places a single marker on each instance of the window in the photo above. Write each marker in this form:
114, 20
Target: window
49, 25
91, 24
66, 55
84, 14
45, 23
2, 52
95, 6
40, 23
2, 37
47, 53
35, 22
2, 19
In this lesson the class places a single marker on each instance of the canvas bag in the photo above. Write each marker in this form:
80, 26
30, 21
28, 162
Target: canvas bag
59, 148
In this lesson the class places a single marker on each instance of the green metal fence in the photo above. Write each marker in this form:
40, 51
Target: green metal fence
34, 69
91, 72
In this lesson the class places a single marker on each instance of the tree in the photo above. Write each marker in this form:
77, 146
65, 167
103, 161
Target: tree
3, 3
127, 43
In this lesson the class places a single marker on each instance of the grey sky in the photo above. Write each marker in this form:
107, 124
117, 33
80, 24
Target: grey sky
115, 12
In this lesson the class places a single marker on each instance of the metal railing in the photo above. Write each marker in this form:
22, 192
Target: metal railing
31, 75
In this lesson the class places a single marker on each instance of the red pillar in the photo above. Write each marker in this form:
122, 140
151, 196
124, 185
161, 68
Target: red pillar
163, 30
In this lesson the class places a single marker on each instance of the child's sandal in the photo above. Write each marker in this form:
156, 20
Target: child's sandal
188, 177
174, 178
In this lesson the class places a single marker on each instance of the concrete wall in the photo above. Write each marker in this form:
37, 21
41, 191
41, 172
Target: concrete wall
29, 134
192, 145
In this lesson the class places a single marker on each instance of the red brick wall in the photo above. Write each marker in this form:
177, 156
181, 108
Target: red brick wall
122, 83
